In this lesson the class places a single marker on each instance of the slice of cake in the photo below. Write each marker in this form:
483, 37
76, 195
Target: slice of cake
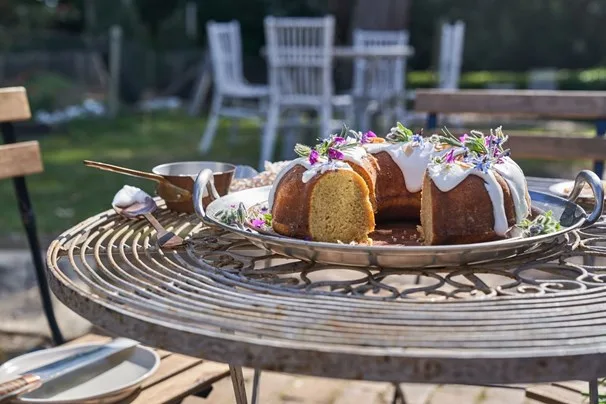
320, 197
474, 193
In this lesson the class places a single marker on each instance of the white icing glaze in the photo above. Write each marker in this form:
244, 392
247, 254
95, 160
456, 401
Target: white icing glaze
411, 159
310, 172
355, 155
513, 175
448, 176
128, 196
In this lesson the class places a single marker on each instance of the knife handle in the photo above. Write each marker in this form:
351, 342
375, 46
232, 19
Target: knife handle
19, 385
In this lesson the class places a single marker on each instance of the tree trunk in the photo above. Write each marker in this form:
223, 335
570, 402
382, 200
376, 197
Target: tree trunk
381, 14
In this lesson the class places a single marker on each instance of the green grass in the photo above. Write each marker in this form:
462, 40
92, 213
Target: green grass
68, 192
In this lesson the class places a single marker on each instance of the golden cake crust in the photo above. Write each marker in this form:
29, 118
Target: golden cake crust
464, 214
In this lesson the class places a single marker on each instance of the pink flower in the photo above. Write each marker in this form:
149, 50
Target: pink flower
313, 157
335, 154
463, 138
258, 223
338, 140
450, 157
367, 136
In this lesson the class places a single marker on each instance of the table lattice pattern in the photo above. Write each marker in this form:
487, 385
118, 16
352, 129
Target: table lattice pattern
221, 298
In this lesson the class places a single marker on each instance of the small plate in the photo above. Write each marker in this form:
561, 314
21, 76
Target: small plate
108, 381
564, 188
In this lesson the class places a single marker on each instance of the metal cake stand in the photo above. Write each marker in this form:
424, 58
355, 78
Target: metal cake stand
531, 319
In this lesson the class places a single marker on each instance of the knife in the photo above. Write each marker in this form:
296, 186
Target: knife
35, 378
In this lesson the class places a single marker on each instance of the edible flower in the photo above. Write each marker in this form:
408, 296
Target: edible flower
450, 157
463, 138
313, 157
366, 137
258, 223
334, 154
338, 140
330, 148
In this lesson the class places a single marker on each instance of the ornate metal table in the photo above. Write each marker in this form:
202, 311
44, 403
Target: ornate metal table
537, 319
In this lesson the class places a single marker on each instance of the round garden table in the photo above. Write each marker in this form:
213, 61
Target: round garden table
535, 319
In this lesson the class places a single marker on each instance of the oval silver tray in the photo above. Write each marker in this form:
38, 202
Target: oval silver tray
570, 214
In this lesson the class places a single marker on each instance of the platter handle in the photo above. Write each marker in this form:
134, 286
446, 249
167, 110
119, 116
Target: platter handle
204, 182
589, 177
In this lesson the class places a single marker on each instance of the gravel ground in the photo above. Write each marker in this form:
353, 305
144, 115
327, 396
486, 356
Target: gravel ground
23, 325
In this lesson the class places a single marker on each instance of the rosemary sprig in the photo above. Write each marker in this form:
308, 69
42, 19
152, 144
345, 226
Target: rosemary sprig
542, 224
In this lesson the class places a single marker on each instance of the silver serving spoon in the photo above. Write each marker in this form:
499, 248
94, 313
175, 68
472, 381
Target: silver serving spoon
133, 202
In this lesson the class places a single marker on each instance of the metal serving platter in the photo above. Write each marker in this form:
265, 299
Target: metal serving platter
570, 214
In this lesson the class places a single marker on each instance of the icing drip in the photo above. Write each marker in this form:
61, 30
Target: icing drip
411, 159
514, 177
355, 155
310, 172
448, 176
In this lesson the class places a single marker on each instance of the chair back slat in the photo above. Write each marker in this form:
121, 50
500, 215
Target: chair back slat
226, 53
299, 54
14, 106
451, 55
380, 78
20, 159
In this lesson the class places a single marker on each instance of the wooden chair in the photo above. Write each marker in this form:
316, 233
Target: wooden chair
178, 375
546, 104
16, 161
379, 84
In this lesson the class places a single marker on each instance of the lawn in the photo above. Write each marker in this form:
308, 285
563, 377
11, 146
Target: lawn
68, 192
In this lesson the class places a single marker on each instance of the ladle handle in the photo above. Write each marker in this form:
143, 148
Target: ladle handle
589, 177
124, 170
204, 181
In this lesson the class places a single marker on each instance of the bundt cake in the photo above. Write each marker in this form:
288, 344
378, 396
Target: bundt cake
463, 190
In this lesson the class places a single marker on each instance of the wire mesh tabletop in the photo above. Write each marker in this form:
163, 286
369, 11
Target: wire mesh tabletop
531, 318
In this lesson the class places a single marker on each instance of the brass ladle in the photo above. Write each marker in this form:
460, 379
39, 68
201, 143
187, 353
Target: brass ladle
169, 191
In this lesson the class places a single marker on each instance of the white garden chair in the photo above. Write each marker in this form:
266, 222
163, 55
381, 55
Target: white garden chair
379, 84
230, 87
451, 55
299, 57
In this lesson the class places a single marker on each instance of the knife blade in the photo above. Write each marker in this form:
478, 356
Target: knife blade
34, 378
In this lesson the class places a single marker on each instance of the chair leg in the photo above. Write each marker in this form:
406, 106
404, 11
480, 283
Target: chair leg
29, 223
325, 117
211, 125
269, 135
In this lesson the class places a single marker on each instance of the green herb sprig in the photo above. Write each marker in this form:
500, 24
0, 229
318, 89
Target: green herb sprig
542, 224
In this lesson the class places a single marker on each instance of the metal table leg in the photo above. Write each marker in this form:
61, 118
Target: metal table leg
237, 380
593, 392
255, 389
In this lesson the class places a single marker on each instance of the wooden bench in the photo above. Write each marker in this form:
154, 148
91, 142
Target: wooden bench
574, 105
178, 375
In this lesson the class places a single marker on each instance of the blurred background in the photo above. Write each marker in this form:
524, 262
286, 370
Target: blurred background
130, 81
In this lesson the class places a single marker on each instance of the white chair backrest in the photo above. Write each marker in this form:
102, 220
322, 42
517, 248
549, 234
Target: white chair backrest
381, 78
299, 56
226, 53
451, 54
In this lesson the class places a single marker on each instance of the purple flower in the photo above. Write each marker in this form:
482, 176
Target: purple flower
450, 157
258, 223
338, 140
482, 164
335, 154
366, 137
313, 157
417, 138
463, 138
264, 210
